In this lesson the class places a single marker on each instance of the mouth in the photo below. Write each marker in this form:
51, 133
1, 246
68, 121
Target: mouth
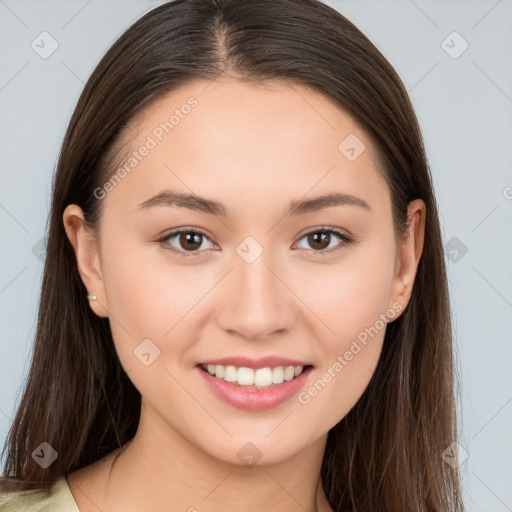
254, 389
255, 378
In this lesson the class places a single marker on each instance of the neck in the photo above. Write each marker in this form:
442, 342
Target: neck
160, 470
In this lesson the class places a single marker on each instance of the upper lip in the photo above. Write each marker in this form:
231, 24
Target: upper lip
262, 362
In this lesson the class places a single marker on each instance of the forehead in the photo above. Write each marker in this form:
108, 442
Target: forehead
248, 139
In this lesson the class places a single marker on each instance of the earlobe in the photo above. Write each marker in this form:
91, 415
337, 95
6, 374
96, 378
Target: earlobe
87, 258
409, 254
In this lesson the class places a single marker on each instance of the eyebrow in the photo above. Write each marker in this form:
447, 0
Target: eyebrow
297, 207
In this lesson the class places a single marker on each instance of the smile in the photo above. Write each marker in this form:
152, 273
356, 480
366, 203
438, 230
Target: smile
256, 378
262, 393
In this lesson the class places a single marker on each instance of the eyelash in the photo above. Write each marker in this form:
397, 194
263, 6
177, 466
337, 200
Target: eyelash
345, 240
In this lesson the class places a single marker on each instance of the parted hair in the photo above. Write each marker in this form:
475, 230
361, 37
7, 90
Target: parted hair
386, 453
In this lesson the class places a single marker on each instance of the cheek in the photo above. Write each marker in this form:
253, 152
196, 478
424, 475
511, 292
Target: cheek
350, 349
349, 302
150, 298
144, 288
348, 296
148, 318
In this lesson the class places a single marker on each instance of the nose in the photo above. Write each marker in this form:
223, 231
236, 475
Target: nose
258, 300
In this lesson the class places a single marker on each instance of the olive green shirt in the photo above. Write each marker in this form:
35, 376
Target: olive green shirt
59, 499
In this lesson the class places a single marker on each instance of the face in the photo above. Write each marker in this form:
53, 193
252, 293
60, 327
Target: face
256, 272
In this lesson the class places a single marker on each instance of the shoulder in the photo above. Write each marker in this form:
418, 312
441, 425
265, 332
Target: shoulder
59, 499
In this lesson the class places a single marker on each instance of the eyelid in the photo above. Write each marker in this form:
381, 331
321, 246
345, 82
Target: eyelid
345, 238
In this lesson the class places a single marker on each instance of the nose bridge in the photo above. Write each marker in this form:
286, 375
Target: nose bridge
258, 303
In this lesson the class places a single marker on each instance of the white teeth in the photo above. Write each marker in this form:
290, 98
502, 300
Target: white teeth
230, 374
263, 378
289, 373
220, 371
278, 375
245, 376
260, 378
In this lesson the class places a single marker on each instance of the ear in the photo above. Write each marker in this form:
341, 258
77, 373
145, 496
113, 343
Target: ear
409, 254
87, 257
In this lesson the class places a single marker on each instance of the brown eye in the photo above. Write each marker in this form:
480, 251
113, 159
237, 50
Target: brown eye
319, 241
187, 240
190, 240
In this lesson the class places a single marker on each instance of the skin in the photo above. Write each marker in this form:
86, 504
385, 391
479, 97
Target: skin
254, 148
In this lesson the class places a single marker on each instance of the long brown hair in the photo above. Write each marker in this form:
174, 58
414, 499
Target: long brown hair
386, 454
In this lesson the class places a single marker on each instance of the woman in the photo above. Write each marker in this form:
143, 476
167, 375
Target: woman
244, 300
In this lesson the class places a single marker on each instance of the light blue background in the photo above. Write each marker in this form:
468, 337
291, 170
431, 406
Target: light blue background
464, 106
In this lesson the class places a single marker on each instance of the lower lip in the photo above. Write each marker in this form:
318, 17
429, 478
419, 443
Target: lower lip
254, 399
